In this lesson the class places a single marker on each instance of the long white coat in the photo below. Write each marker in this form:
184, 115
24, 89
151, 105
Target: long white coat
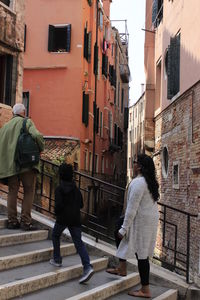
140, 224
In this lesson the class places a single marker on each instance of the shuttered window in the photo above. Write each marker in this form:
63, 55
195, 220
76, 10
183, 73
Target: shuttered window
96, 59
59, 38
85, 109
87, 44
90, 2
96, 117
173, 68
125, 118
105, 65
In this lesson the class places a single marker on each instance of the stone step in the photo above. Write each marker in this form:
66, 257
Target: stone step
158, 293
168, 295
26, 285
22, 237
72, 288
109, 289
3, 222
16, 260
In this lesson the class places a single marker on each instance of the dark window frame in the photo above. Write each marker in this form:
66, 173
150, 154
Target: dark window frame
53, 39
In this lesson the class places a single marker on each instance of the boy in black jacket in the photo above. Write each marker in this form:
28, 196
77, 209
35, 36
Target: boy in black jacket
68, 202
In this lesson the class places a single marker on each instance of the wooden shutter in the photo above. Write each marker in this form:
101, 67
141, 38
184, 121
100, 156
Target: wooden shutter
173, 68
85, 43
51, 38
89, 45
68, 38
85, 109
25, 27
125, 118
96, 49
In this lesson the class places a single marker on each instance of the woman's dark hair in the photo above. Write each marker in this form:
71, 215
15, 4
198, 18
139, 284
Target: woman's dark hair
147, 169
66, 172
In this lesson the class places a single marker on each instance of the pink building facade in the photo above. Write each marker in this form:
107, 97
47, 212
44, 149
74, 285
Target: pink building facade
70, 81
173, 77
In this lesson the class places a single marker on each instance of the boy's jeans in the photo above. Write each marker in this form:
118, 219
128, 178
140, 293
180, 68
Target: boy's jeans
78, 243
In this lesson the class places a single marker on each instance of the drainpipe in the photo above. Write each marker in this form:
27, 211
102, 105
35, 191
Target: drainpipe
95, 94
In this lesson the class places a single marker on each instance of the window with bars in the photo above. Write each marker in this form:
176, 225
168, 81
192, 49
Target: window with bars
59, 38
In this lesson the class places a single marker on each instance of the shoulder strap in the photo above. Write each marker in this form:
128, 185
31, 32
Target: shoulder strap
24, 125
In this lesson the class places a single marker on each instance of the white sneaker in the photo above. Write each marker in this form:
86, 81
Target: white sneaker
54, 263
86, 275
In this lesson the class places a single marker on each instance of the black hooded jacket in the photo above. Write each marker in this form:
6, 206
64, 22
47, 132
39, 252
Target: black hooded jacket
68, 202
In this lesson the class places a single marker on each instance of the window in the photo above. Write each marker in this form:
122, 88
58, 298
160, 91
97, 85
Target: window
165, 162
173, 67
102, 165
96, 116
59, 38
25, 32
8, 79
105, 65
96, 163
6, 2
90, 2
110, 124
87, 45
26, 99
175, 175
85, 109
96, 49
158, 85
157, 12
100, 19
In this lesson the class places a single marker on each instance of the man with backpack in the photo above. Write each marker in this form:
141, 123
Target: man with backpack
15, 173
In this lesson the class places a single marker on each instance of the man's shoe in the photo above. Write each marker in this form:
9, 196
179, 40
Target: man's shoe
86, 275
28, 227
54, 263
15, 225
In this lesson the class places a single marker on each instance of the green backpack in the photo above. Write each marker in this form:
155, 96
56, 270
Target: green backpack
27, 152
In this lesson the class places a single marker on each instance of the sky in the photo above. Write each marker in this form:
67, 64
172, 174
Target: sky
134, 12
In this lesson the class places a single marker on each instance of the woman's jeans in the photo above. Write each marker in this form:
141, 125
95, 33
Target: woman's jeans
78, 243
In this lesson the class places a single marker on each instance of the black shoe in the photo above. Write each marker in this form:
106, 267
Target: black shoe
13, 225
28, 227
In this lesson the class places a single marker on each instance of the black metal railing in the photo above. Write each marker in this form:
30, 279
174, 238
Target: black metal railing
103, 203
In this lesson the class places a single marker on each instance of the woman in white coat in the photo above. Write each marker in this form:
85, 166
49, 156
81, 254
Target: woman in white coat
139, 229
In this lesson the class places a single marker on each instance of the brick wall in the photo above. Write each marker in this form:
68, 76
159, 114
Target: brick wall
5, 114
178, 129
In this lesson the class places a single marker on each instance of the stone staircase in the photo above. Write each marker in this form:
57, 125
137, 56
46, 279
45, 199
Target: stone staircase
25, 272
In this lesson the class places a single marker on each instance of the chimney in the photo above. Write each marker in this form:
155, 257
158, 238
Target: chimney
106, 7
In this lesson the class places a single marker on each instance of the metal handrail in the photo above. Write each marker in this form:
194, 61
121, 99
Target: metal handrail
100, 222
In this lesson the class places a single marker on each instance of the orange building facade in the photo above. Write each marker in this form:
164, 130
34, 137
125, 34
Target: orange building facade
74, 88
